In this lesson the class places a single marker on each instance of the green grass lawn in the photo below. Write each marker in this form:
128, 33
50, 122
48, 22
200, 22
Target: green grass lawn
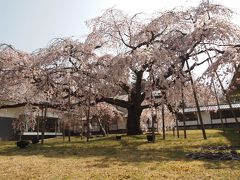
131, 158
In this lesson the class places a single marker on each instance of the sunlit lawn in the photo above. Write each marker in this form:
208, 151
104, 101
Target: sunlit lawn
106, 158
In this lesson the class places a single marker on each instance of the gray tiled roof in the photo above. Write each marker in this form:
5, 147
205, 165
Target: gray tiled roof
211, 107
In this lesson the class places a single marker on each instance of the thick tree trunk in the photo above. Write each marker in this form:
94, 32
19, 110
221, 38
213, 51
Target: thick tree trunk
133, 105
135, 110
133, 121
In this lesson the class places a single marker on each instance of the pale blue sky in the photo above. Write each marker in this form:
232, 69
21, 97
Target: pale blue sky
31, 24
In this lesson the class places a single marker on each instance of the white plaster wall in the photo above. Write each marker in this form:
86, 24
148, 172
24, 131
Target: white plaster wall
51, 114
229, 120
14, 112
188, 123
11, 112
207, 120
122, 123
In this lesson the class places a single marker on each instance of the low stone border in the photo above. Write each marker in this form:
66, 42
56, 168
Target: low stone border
221, 148
233, 155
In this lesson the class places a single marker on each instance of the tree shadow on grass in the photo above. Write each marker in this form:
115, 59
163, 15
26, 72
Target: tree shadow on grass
107, 149
232, 136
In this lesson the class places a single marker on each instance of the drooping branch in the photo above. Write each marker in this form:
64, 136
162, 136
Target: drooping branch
124, 87
41, 104
209, 49
72, 93
115, 101
155, 105
12, 105
197, 64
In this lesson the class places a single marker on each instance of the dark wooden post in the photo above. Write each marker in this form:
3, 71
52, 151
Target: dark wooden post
218, 104
183, 111
44, 117
163, 123
197, 104
38, 127
69, 118
225, 93
177, 128
88, 119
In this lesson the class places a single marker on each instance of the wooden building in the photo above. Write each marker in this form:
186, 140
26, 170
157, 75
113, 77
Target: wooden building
8, 115
211, 115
